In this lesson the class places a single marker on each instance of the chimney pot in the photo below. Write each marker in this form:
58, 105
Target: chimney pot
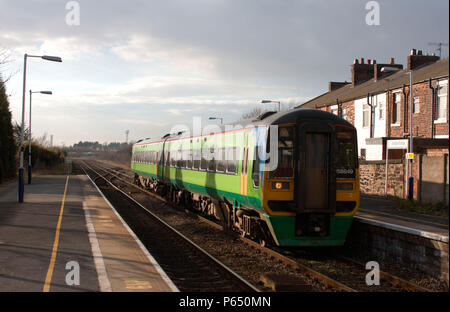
391, 61
374, 61
419, 52
362, 60
413, 51
369, 61
355, 61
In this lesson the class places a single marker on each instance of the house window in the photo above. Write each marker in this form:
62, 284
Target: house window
396, 109
416, 107
441, 111
344, 113
366, 115
381, 110
363, 153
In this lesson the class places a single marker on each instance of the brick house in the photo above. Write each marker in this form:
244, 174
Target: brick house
377, 103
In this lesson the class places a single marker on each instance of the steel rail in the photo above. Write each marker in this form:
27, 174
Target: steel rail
201, 250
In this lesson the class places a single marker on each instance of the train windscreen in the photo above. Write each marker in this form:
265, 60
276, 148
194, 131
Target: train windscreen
346, 159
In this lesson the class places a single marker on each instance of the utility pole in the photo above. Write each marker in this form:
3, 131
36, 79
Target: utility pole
126, 135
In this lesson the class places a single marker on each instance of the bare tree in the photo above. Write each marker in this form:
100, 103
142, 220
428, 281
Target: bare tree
5, 58
254, 112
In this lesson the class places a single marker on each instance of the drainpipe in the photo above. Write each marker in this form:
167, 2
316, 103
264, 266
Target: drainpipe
433, 90
339, 107
405, 107
370, 116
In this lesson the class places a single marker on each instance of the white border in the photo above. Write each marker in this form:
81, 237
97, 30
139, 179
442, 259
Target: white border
103, 279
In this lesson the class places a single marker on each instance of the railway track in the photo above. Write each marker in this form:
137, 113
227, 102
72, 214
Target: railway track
189, 266
335, 272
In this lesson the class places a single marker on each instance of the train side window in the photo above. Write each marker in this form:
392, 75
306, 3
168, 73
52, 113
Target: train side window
285, 168
255, 168
212, 161
189, 159
172, 159
221, 162
231, 158
196, 155
204, 158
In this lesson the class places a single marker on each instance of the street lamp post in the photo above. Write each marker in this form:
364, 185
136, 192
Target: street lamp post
269, 101
214, 118
411, 178
21, 169
29, 134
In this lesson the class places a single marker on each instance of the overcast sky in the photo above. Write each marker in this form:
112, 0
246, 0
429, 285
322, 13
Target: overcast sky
146, 66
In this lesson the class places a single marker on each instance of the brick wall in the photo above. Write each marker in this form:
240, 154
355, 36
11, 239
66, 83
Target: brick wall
422, 120
372, 177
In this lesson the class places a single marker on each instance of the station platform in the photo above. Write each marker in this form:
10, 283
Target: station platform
66, 236
383, 212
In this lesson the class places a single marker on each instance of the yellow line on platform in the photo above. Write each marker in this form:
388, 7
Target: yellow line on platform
48, 278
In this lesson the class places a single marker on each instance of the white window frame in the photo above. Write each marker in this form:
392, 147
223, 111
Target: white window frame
344, 113
398, 112
381, 108
416, 110
366, 109
441, 119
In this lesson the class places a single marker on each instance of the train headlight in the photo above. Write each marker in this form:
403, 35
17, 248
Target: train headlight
280, 185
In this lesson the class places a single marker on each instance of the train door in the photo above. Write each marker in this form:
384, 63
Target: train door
316, 182
315, 172
244, 167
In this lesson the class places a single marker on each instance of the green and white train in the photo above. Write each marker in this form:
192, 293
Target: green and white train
308, 199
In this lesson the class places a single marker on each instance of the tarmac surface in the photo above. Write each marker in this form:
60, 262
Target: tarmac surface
66, 237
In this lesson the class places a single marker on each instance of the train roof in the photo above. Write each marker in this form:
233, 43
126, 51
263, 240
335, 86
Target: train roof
267, 119
291, 116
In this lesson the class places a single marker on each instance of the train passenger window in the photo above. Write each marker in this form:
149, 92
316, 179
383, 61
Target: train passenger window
172, 160
179, 159
189, 159
285, 166
221, 161
255, 169
212, 162
232, 155
196, 155
346, 156
204, 158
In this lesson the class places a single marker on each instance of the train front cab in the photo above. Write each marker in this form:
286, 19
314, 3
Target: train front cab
312, 196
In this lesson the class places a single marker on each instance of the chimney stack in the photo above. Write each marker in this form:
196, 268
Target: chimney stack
361, 72
415, 60
377, 69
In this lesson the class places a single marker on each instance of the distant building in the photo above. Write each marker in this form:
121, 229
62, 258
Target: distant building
376, 102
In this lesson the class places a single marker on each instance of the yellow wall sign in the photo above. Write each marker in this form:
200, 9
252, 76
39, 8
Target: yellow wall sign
409, 155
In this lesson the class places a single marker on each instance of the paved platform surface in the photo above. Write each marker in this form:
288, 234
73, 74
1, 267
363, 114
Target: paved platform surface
384, 211
66, 237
